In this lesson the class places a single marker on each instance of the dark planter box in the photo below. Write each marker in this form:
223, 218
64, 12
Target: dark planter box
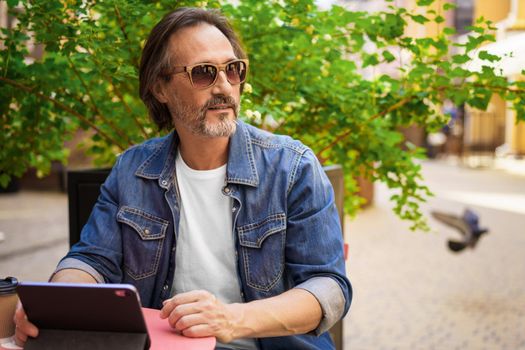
12, 186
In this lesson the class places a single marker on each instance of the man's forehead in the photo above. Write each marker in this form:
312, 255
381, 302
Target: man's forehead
200, 43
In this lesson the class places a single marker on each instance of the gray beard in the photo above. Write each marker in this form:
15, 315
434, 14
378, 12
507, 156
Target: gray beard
199, 126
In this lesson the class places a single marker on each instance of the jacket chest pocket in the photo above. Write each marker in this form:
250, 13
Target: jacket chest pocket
142, 239
262, 250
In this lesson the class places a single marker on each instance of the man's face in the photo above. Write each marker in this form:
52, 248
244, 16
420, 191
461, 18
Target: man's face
212, 111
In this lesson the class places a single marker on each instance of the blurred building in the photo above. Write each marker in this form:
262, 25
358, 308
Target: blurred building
494, 131
498, 124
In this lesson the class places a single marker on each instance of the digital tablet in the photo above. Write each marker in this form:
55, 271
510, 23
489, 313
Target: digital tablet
83, 307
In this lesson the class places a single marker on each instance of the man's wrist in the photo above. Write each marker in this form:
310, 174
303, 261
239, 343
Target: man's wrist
240, 327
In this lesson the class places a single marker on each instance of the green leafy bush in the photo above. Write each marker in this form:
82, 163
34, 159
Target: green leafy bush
305, 80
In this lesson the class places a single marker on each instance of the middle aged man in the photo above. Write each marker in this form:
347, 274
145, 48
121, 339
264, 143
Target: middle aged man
230, 230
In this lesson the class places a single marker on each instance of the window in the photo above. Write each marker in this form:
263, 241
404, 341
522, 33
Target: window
464, 15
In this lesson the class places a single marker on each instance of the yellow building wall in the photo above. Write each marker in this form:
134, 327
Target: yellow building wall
517, 138
430, 29
521, 9
498, 10
494, 10
520, 20
486, 128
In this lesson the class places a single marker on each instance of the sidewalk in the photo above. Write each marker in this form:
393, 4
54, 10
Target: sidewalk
35, 229
410, 292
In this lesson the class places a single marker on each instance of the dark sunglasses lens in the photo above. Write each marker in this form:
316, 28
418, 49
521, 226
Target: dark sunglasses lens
203, 75
236, 72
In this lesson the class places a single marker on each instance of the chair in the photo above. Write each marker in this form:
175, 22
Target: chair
83, 189
336, 177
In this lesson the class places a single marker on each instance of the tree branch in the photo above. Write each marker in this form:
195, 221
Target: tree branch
95, 107
395, 106
119, 95
407, 99
122, 27
64, 108
121, 23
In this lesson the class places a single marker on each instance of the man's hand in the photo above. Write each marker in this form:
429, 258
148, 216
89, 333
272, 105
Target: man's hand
199, 314
24, 328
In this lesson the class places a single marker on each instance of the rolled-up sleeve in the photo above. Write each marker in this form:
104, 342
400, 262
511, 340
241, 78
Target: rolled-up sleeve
314, 241
330, 296
75, 264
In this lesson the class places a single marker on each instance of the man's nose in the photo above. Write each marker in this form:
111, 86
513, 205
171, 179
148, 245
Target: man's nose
222, 85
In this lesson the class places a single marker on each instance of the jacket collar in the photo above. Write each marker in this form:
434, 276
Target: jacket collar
241, 162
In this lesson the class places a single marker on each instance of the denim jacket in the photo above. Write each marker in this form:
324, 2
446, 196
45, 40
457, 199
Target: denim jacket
285, 223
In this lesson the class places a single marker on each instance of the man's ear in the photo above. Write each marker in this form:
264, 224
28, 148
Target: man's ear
158, 90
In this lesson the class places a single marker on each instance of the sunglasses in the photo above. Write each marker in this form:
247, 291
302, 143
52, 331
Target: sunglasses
203, 75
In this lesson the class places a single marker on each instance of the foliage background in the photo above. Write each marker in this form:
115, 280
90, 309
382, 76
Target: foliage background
305, 81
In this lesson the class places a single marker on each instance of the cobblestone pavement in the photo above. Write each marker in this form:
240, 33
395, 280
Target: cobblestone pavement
410, 292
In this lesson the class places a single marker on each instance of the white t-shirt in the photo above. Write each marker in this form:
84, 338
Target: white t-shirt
205, 253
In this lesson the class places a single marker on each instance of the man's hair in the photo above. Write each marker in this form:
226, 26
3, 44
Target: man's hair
155, 59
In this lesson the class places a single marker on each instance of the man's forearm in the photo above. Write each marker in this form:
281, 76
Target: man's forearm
72, 276
296, 311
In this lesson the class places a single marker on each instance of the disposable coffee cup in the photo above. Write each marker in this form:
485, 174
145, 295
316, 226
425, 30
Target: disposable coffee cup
8, 301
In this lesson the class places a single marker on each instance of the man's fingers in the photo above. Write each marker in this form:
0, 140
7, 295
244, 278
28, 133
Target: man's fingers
20, 314
168, 307
189, 321
191, 297
20, 339
199, 314
182, 310
23, 326
184, 298
199, 330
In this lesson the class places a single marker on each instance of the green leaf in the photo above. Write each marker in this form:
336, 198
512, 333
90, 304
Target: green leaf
460, 59
475, 29
4, 180
300, 75
449, 6
484, 55
473, 42
449, 31
388, 56
481, 99
419, 19
439, 19
12, 3
370, 60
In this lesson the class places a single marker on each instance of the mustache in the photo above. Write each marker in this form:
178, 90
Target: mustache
221, 100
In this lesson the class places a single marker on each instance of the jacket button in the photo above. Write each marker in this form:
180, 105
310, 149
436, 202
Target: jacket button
146, 231
164, 182
165, 288
226, 190
234, 209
